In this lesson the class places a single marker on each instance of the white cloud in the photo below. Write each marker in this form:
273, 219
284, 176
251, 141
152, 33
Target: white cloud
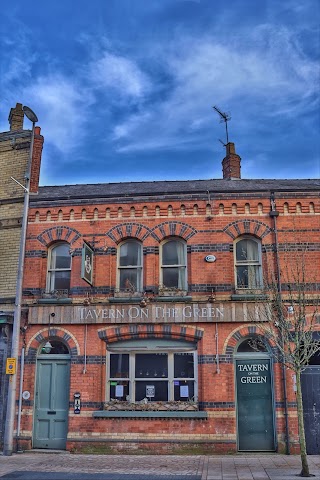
119, 74
61, 106
272, 71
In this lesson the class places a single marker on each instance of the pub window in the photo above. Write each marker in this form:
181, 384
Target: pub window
130, 266
59, 267
248, 270
155, 376
174, 265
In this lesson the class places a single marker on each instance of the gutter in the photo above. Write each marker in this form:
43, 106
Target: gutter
274, 214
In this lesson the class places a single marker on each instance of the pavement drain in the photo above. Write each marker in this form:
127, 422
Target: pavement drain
20, 475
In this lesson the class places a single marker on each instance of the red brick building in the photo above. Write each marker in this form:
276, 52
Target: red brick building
141, 306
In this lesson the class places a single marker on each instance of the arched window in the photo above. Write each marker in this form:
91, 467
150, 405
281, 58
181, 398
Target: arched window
54, 347
174, 264
59, 267
130, 266
248, 270
252, 345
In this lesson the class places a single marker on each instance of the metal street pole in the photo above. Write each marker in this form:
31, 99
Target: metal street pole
11, 400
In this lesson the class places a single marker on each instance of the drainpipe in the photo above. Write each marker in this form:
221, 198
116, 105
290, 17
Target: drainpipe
20, 399
274, 214
217, 351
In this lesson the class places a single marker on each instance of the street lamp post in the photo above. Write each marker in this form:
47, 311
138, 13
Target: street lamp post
11, 400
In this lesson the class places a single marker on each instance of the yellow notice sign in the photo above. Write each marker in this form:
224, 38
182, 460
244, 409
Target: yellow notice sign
11, 366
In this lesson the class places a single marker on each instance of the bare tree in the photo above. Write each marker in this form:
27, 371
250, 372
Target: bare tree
289, 316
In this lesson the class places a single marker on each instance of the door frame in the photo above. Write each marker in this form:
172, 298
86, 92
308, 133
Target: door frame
256, 356
309, 370
53, 358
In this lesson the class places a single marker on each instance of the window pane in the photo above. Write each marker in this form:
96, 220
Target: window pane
60, 257
119, 390
160, 390
152, 365
183, 365
130, 254
57, 348
173, 277
61, 280
247, 250
183, 390
252, 345
242, 277
248, 276
119, 365
173, 253
130, 279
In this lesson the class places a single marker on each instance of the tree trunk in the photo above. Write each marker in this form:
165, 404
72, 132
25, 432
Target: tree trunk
302, 438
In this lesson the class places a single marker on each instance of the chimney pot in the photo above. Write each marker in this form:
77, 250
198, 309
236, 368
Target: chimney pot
230, 148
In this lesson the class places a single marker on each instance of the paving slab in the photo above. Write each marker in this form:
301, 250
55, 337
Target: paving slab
23, 475
65, 466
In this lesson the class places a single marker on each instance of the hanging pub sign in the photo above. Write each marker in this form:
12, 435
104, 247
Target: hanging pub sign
87, 263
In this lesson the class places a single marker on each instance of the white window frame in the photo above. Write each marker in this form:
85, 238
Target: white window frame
139, 287
163, 266
242, 263
170, 378
51, 271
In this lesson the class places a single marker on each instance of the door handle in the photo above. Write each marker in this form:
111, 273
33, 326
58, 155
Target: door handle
51, 412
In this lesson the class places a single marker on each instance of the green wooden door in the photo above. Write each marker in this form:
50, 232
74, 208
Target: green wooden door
255, 415
51, 403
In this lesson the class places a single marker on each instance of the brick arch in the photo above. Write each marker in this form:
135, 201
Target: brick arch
135, 332
168, 229
240, 333
54, 331
247, 227
61, 233
125, 230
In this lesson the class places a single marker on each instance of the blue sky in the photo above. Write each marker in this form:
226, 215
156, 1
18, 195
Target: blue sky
124, 89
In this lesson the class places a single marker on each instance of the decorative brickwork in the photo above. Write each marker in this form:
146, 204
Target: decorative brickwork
133, 332
242, 332
243, 227
61, 233
58, 333
126, 230
168, 229
141, 232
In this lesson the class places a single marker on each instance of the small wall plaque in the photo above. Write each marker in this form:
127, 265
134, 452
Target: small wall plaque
210, 258
26, 395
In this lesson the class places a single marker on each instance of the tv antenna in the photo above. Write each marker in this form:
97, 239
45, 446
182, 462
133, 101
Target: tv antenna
225, 117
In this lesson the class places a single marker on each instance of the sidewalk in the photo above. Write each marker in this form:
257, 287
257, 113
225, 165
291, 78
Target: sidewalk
65, 466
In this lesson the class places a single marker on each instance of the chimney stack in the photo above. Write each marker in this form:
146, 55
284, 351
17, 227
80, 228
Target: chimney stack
16, 118
36, 160
231, 163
